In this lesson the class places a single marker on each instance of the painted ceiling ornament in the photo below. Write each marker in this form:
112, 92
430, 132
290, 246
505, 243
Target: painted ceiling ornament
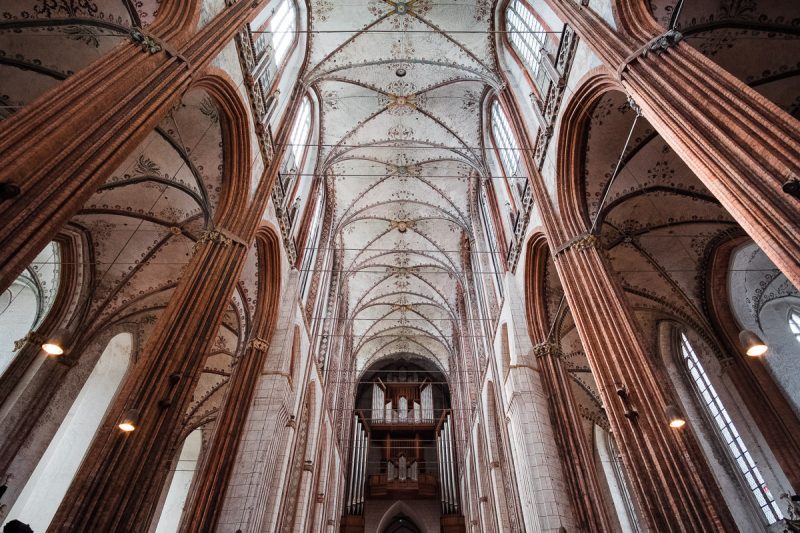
402, 225
403, 307
397, 102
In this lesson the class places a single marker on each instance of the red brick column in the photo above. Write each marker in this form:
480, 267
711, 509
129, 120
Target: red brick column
666, 467
121, 478
577, 457
204, 505
63, 145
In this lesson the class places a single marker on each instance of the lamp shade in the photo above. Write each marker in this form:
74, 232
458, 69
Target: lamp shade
675, 417
130, 420
56, 344
752, 343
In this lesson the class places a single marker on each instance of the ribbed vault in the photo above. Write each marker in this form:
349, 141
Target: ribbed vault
401, 86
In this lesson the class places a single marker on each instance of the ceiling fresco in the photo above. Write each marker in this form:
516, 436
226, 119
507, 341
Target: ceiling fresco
401, 85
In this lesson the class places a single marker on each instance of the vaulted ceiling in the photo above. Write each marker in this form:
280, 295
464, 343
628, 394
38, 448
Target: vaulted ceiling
401, 85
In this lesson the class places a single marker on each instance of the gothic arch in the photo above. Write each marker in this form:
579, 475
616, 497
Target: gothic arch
205, 500
535, 299
64, 309
236, 159
771, 409
398, 508
572, 147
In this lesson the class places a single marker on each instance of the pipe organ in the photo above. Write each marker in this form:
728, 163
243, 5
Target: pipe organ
447, 467
402, 445
358, 468
414, 404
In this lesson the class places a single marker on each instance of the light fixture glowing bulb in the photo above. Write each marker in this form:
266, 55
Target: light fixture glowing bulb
55, 344
52, 348
675, 417
752, 343
130, 421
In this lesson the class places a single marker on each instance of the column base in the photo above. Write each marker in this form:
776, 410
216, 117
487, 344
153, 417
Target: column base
352, 524
453, 523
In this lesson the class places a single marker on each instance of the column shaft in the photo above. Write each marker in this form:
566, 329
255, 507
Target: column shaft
575, 452
738, 143
63, 145
667, 469
121, 477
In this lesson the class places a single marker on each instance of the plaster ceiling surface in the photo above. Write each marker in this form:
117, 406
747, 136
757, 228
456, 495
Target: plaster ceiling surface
400, 155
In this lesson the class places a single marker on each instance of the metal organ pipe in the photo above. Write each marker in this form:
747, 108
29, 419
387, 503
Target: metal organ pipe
359, 468
351, 475
448, 465
440, 454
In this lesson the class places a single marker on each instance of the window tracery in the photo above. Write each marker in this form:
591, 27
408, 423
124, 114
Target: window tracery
275, 30
730, 435
528, 38
292, 166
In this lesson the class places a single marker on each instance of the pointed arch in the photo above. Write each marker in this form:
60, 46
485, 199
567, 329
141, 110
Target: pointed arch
571, 148
205, 502
236, 158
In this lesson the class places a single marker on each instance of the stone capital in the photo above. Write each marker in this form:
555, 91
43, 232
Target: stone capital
546, 349
259, 344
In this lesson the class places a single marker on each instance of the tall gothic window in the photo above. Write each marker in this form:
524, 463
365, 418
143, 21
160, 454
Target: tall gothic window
42, 494
25, 304
509, 153
293, 160
528, 38
794, 323
274, 30
494, 253
311, 245
729, 434
182, 477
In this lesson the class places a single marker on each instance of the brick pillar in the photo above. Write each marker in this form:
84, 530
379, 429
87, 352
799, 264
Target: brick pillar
666, 467
203, 508
576, 453
63, 145
738, 143
122, 476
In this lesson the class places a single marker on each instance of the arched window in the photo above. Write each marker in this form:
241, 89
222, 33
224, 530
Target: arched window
311, 251
729, 434
794, 323
528, 38
171, 513
25, 304
39, 500
510, 160
611, 464
274, 30
293, 160
494, 253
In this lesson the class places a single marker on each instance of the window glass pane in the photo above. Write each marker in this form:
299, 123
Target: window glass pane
526, 35
729, 433
794, 323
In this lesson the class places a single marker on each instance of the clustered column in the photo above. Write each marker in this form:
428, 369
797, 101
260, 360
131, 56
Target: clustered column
122, 476
668, 472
